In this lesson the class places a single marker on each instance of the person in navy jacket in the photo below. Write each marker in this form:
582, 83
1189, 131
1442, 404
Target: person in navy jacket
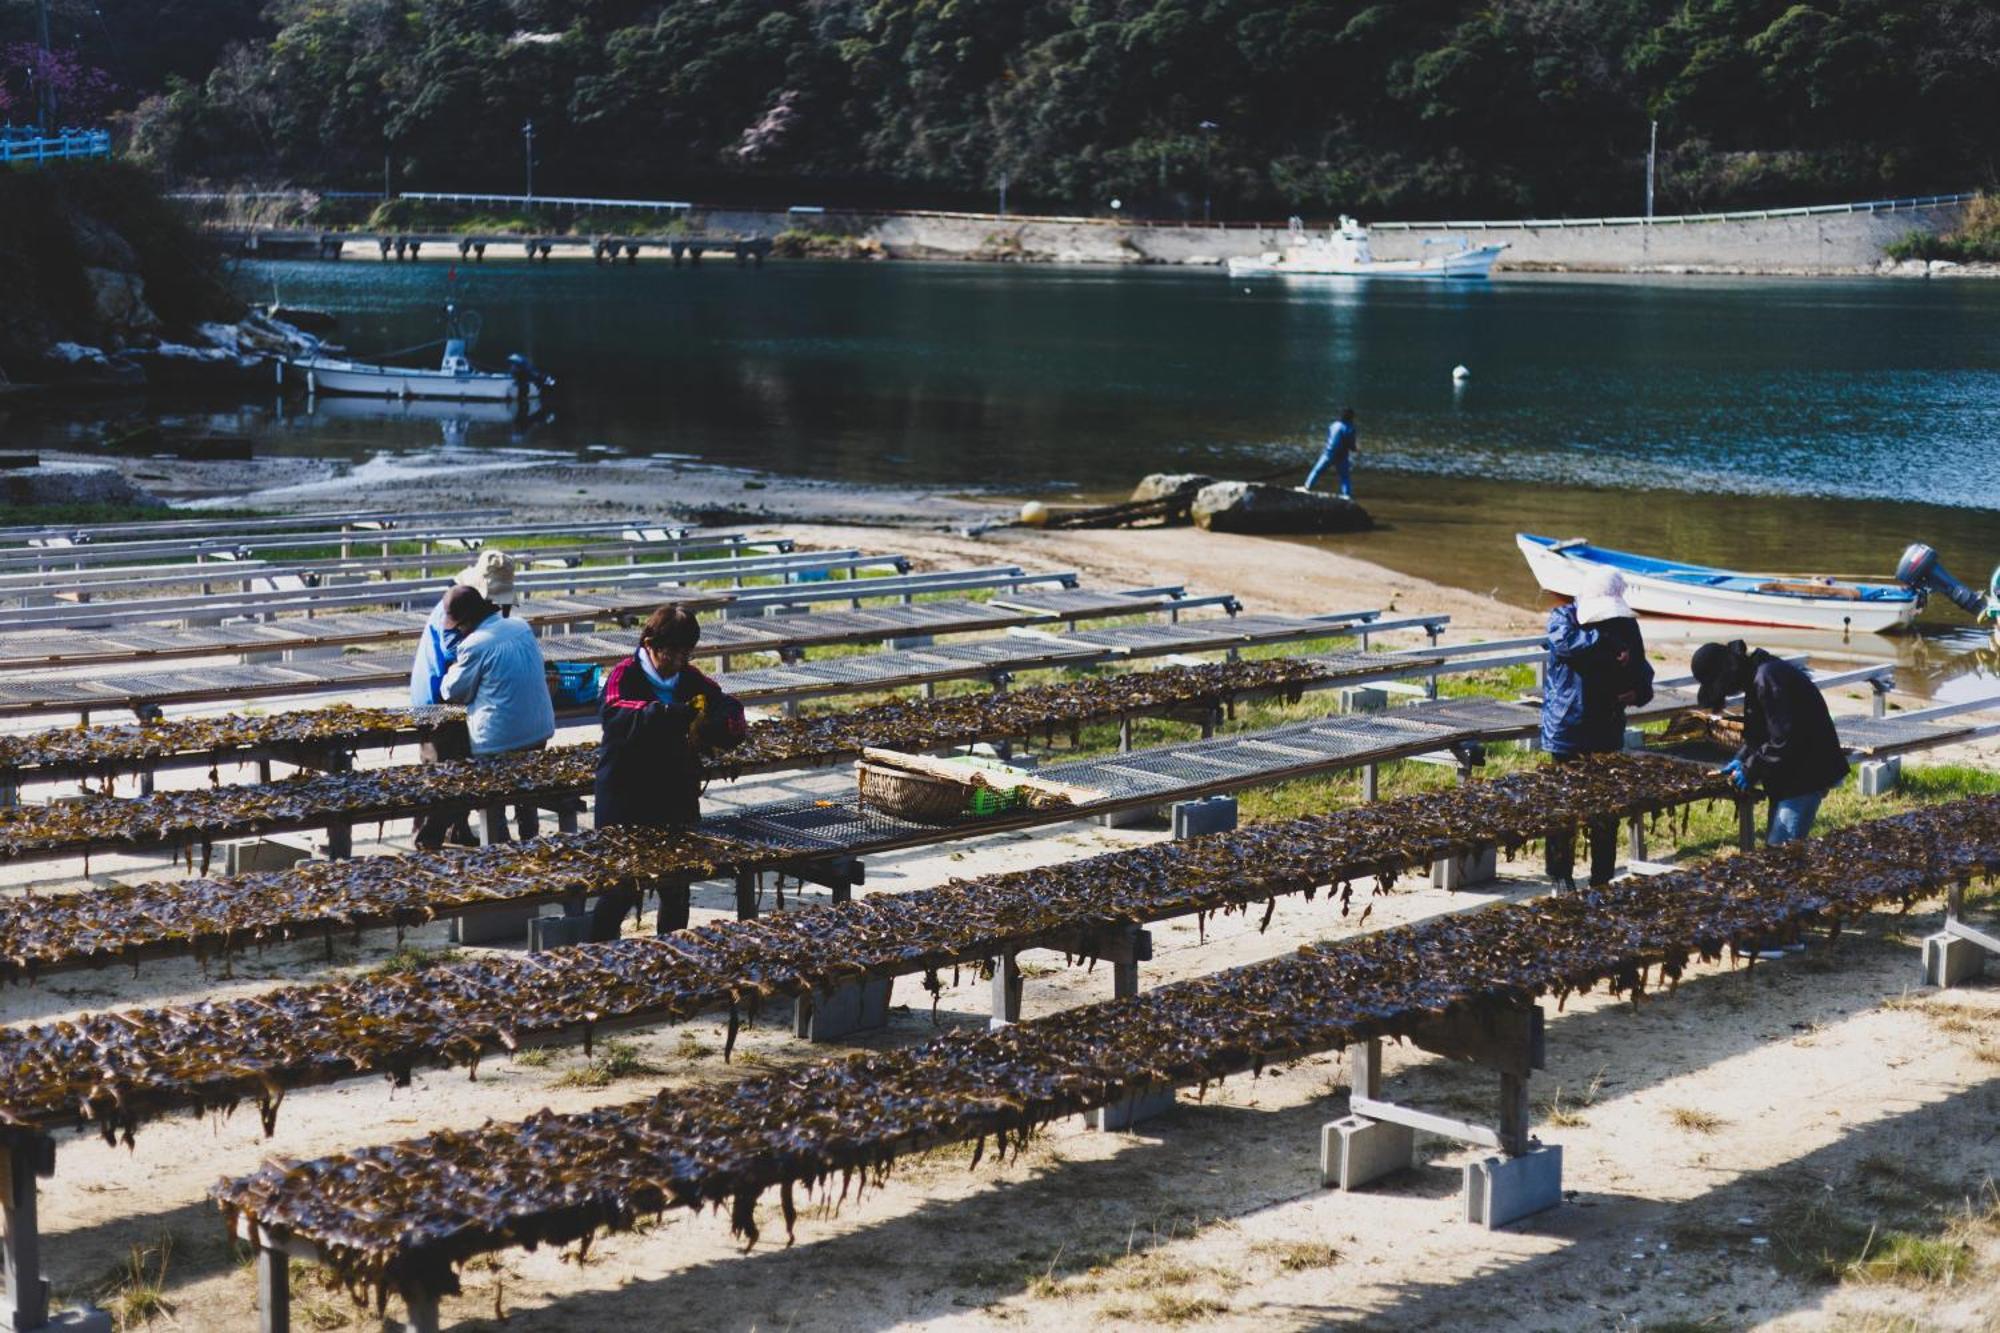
660, 716
1596, 669
1791, 748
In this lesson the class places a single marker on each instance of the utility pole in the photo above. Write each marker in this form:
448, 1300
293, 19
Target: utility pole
528, 142
1652, 156
1003, 194
1208, 129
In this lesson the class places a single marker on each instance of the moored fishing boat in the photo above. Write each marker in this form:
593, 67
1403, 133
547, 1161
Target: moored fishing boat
1344, 253
1700, 592
455, 378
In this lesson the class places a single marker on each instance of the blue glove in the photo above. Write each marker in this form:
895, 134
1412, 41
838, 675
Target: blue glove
1733, 770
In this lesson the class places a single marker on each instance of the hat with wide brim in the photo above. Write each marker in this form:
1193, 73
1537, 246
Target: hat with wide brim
491, 574
1602, 598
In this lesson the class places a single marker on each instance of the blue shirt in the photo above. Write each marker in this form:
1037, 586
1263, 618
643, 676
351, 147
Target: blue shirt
500, 678
434, 653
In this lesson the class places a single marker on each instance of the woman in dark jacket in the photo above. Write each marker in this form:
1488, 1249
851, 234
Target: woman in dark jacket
660, 716
1790, 746
1596, 669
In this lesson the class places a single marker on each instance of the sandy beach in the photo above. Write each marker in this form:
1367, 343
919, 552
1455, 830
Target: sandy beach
1718, 1139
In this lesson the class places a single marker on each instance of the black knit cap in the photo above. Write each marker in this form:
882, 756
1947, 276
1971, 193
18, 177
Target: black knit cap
1714, 665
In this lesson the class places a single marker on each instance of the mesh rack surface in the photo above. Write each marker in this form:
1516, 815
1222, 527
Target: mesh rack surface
1868, 735
818, 825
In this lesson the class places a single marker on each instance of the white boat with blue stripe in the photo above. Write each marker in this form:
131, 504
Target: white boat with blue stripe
1701, 592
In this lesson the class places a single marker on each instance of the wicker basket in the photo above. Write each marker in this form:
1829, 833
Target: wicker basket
911, 795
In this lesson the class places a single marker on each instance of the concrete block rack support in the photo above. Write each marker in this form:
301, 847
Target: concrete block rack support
1377, 1138
1956, 954
25, 1304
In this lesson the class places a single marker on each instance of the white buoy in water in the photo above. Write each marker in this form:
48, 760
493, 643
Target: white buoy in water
1034, 513
1459, 374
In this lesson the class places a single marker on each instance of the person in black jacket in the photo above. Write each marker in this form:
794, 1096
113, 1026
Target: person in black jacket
660, 716
1790, 747
1595, 670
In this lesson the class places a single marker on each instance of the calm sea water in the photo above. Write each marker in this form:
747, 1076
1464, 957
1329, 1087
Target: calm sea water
1033, 378
1765, 424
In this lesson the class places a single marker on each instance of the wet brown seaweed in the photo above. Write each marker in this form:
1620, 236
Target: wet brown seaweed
184, 818
116, 1070
405, 1214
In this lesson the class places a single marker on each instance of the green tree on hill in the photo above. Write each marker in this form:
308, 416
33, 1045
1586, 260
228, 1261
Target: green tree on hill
1417, 105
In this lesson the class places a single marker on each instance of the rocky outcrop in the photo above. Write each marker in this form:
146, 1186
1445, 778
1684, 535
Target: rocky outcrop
1163, 485
1253, 507
108, 284
118, 301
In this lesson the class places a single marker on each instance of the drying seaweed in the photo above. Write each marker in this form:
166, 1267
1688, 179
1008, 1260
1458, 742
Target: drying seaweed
181, 819
116, 1070
113, 751
405, 1214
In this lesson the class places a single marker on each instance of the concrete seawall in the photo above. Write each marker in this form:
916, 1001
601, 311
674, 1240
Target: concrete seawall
1832, 242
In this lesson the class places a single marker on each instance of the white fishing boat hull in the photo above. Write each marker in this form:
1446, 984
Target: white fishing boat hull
366, 381
1682, 599
1472, 264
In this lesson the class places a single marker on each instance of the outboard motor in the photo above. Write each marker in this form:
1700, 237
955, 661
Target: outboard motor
1920, 571
527, 379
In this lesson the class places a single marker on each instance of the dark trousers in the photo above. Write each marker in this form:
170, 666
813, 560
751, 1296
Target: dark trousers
448, 741
1602, 836
607, 917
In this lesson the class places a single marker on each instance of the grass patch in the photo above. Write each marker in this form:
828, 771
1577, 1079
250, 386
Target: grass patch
411, 959
134, 1293
1905, 1260
535, 1057
613, 1061
1695, 1121
1571, 1115
691, 1047
1173, 1307
1299, 1256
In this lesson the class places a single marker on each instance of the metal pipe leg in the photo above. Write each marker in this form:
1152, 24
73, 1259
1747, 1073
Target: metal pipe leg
747, 884
1371, 779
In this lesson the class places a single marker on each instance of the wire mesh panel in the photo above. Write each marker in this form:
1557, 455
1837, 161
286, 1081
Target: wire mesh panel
1064, 603
1870, 735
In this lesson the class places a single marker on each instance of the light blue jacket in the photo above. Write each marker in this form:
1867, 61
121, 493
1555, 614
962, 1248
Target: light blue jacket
434, 654
500, 679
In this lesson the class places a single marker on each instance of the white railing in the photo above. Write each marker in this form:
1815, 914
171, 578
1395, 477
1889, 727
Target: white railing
1910, 204
34, 146
548, 201
1680, 219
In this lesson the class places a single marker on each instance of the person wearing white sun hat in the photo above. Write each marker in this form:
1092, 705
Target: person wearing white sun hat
491, 575
1596, 669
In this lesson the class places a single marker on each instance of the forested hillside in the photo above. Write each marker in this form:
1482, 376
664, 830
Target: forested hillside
1408, 107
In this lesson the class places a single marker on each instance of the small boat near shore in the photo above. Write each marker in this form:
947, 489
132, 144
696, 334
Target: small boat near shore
1344, 253
1701, 592
455, 378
